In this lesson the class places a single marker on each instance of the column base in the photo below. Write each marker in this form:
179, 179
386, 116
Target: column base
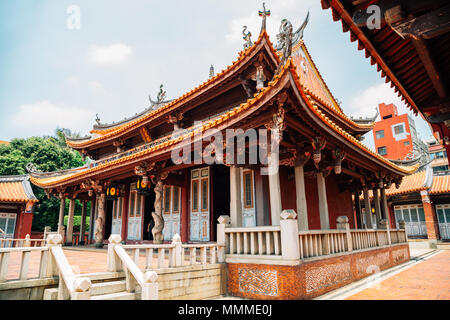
432, 243
99, 245
81, 243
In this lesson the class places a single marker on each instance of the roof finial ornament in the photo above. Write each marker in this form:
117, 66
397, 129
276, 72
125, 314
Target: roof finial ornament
285, 42
161, 94
264, 13
211, 71
247, 37
97, 118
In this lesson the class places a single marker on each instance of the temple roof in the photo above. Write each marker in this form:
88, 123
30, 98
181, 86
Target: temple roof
16, 189
313, 83
162, 145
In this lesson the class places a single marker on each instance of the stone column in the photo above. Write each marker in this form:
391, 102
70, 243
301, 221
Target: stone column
92, 218
385, 206
157, 230
290, 247
62, 207
100, 221
235, 197
376, 200
367, 208
302, 219
430, 219
69, 235
83, 223
358, 210
323, 204
224, 222
274, 190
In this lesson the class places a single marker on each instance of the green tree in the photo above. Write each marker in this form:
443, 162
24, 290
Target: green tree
48, 153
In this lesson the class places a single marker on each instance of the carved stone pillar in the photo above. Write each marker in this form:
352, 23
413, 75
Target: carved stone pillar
367, 208
376, 200
302, 219
157, 214
274, 192
62, 207
100, 221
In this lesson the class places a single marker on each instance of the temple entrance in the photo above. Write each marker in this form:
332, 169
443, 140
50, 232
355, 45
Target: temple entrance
220, 195
108, 218
443, 215
171, 211
200, 205
7, 224
414, 217
148, 218
135, 214
116, 227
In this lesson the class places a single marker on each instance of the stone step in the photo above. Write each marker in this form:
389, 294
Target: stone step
117, 296
443, 245
102, 288
103, 276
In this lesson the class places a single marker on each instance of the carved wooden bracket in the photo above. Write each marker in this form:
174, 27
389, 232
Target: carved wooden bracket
119, 145
318, 143
338, 156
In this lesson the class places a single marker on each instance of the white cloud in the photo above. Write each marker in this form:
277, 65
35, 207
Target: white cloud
43, 117
95, 85
365, 103
73, 81
109, 55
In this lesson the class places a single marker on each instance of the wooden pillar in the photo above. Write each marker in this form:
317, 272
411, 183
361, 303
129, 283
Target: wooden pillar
367, 208
376, 200
83, 222
358, 210
100, 221
323, 204
302, 211
235, 197
69, 235
273, 175
62, 207
185, 208
384, 206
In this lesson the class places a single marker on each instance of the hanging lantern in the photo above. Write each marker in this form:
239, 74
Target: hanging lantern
90, 193
143, 185
113, 192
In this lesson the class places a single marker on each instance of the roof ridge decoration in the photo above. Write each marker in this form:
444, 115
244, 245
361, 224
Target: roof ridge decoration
247, 37
264, 14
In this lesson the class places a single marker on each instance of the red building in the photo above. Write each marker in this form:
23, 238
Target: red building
16, 206
394, 134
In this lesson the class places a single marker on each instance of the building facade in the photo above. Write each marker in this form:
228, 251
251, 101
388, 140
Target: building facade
17, 203
438, 156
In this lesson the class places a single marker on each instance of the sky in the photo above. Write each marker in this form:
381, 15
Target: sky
54, 74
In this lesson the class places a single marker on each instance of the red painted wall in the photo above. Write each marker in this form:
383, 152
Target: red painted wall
312, 203
339, 203
287, 187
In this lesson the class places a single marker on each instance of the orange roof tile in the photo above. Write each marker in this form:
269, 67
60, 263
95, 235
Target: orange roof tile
16, 189
441, 184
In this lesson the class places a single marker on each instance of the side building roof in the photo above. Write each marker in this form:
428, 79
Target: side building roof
16, 189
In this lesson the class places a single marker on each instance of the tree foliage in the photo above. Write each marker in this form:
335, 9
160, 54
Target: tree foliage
48, 153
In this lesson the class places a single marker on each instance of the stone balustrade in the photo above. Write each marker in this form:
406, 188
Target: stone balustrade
19, 243
285, 245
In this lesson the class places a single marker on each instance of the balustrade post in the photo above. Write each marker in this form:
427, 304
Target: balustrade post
27, 241
114, 264
224, 222
342, 224
402, 226
53, 240
176, 240
384, 225
82, 288
151, 287
290, 248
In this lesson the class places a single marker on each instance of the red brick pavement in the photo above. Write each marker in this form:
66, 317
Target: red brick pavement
427, 280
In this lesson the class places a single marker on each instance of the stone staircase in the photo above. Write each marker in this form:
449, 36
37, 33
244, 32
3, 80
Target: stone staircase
105, 286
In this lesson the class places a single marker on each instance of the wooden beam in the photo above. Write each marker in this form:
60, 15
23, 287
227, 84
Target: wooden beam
428, 62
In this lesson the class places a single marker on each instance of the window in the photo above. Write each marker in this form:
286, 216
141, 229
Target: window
176, 199
399, 129
248, 189
440, 168
132, 202
382, 151
387, 117
379, 134
406, 143
204, 194
167, 200
194, 195
439, 155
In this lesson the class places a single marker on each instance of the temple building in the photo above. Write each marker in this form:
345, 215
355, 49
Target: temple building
17, 203
139, 191
257, 166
